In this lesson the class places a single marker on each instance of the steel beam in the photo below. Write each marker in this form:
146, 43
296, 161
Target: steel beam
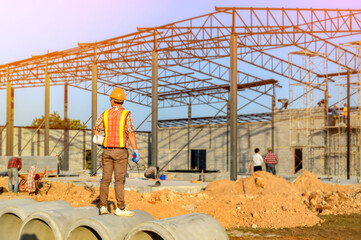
9, 116
154, 108
233, 104
94, 115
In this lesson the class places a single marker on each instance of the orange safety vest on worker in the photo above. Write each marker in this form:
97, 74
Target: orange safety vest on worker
114, 127
344, 112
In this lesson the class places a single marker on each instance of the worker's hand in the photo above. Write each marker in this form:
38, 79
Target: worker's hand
135, 156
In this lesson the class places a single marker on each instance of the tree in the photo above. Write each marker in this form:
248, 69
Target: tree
56, 122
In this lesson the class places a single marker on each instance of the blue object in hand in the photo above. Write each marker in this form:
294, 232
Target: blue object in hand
135, 156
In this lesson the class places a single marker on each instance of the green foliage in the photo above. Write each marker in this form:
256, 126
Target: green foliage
56, 122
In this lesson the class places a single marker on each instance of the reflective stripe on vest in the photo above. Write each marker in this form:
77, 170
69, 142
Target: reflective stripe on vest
122, 142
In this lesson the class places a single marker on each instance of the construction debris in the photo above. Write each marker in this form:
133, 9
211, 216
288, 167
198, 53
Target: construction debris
262, 199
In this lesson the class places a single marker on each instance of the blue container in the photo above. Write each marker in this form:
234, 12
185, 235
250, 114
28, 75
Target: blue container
162, 177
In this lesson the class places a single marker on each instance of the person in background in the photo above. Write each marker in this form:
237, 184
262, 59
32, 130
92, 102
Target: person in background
30, 183
270, 160
344, 113
59, 163
334, 115
257, 161
152, 172
14, 166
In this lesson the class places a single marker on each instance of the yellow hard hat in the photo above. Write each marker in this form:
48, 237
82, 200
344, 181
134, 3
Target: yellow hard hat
118, 94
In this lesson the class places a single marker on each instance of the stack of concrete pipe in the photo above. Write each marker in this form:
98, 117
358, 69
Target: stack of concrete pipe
26, 219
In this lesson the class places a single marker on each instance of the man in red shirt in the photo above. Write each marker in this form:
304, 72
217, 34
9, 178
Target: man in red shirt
270, 159
118, 127
14, 165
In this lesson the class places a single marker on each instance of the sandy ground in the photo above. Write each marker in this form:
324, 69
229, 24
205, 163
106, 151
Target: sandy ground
261, 200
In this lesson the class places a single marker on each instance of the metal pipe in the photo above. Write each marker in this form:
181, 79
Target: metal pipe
94, 115
233, 102
154, 154
9, 115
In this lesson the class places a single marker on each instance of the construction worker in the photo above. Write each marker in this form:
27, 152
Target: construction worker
334, 115
152, 172
271, 160
118, 127
257, 161
344, 113
14, 166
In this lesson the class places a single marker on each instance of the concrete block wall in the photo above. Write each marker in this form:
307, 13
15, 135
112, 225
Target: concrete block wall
213, 139
32, 144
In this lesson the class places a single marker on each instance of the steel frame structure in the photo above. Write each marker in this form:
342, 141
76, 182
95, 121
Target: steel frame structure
194, 60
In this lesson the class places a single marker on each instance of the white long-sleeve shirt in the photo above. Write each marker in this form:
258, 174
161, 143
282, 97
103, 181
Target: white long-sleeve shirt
257, 160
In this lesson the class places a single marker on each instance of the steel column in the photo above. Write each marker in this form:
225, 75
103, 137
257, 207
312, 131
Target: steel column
47, 110
233, 103
9, 116
65, 164
189, 135
94, 115
273, 116
326, 151
348, 125
154, 108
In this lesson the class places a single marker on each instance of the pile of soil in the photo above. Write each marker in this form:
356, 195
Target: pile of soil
261, 200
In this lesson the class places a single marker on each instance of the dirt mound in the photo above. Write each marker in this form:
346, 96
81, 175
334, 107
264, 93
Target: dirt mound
263, 199
310, 182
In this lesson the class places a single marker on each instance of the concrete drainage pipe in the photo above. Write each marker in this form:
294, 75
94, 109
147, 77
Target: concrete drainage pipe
12, 217
16, 202
191, 226
53, 224
106, 227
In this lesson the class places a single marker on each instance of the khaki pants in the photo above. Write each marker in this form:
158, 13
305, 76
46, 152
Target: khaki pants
117, 160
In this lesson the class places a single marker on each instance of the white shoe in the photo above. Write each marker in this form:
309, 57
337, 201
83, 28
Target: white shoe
104, 210
125, 212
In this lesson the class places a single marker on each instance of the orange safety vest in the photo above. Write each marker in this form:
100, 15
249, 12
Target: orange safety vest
114, 127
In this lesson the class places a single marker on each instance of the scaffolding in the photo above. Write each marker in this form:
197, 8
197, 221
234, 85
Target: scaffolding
308, 111
345, 150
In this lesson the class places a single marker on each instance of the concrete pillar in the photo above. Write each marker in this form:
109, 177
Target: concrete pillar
66, 136
233, 104
155, 104
9, 116
46, 111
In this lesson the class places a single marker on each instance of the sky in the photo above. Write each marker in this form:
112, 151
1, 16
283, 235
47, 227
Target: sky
33, 27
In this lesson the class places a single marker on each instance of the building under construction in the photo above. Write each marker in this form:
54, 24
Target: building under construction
234, 61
